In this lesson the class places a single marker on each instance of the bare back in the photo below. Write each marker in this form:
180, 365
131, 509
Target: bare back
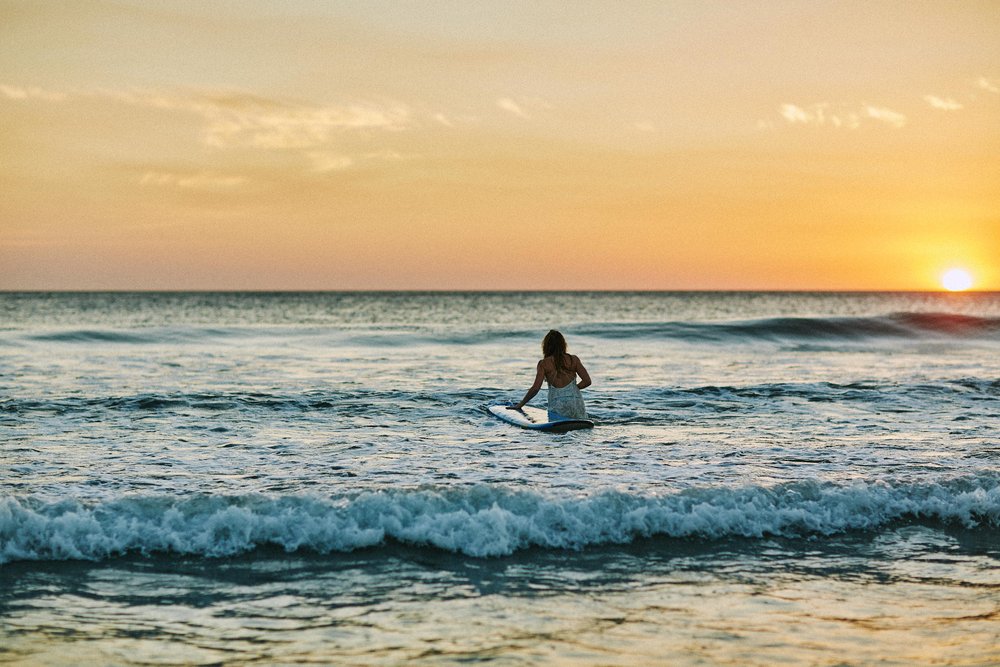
568, 374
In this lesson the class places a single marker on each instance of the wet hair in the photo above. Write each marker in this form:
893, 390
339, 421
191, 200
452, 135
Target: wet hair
554, 345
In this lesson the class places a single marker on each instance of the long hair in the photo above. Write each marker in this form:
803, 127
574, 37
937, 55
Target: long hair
554, 345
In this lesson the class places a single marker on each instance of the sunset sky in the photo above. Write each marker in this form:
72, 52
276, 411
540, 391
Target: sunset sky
505, 145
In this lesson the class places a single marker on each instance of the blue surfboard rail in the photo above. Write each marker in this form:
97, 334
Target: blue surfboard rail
536, 419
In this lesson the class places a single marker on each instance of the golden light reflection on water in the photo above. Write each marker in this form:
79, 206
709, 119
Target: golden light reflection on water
679, 620
913, 596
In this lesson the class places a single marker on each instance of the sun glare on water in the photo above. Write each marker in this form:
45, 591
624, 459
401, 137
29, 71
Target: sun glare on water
956, 280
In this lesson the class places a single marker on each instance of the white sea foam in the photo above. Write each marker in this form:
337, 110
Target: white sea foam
479, 521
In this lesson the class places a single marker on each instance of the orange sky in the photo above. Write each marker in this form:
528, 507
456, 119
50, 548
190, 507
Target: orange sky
507, 145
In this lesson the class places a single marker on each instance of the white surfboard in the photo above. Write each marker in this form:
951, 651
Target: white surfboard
537, 419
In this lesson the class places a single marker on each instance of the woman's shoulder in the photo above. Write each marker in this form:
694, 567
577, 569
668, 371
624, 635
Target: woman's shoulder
571, 361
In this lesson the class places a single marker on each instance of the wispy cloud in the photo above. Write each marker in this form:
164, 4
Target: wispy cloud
239, 119
885, 115
31, 93
323, 161
988, 85
327, 161
853, 116
824, 114
511, 106
443, 119
388, 155
819, 114
796, 114
449, 119
234, 118
524, 107
943, 103
202, 180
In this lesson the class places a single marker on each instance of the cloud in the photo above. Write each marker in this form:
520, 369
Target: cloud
443, 119
235, 118
387, 155
944, 104
238, 119
795, 114
885, 115
819, 114
204, 180
32, 93
644, 126
524, 107
988, 85
324, 162
511, 106
823, 114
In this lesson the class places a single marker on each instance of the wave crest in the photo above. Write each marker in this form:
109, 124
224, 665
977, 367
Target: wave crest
480, 521
905, 325
895, 326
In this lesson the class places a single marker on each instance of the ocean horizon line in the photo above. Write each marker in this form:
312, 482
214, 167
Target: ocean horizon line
499, 291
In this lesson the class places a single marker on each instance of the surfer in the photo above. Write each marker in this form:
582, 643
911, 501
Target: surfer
559, 369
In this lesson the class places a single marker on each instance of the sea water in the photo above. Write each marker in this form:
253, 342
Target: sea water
234, 478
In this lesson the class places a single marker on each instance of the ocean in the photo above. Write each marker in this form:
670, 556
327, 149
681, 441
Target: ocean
292, 478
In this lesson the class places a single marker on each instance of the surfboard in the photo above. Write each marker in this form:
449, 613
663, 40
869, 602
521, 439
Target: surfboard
537, 419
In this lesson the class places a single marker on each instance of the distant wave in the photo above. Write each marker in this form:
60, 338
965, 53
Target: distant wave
143, 335
381, 336
897, 325
977, 388
354, 401
362, 399
479, 521
93, 336
805, 329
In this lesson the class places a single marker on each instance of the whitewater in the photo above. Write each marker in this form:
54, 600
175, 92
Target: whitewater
223, 478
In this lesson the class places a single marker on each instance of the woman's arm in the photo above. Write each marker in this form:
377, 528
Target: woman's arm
539, 376
584, 375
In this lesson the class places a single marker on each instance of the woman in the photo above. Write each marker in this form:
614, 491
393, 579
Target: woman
559, 369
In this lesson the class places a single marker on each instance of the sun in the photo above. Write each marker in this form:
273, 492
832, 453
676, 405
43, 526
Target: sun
956, 280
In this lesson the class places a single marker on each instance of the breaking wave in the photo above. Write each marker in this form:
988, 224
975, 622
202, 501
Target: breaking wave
478, 521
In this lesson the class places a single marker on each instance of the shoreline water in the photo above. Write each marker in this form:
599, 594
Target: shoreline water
658, 601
